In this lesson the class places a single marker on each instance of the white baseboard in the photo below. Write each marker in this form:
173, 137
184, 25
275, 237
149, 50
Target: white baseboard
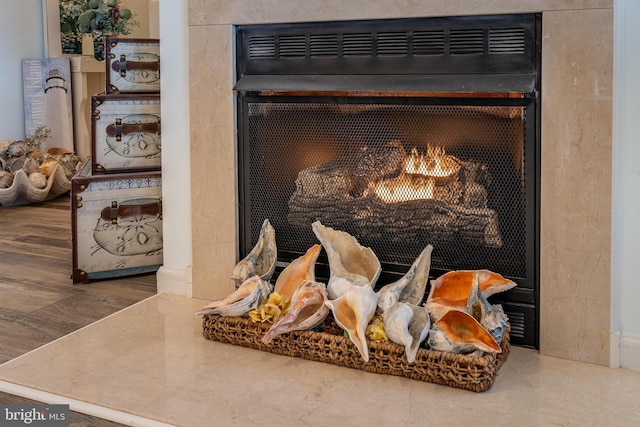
80, 406
630, 351
175, 281
614, 350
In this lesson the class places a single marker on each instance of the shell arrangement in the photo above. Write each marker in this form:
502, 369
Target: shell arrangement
26, 156
456, 316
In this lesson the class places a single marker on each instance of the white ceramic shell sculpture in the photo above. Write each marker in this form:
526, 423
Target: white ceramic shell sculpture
306, 311
349, 263
240, 302
261, 260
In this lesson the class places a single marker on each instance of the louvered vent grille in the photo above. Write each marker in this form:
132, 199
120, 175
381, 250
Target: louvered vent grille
506, 41
262, 47
397, 43
503, 44
428, 43
516, 319
392, 43
323, 45
466, 42
292, 46
357, 44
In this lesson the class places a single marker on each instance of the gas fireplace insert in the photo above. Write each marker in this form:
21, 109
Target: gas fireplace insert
402, 133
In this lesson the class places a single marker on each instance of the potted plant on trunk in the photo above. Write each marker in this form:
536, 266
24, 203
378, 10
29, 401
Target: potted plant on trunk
102, 19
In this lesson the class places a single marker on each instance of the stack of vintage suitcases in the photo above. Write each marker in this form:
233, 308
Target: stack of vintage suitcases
116, 199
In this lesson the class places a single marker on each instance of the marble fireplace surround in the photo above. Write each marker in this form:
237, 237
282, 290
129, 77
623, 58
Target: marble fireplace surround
577, 74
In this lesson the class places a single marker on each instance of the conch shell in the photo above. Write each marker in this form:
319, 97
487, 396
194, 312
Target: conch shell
55, 156
261, 260
30, 166
241, 301
299, 270
458, 332
349, 262
48, 166
353, 311
408, 325
456, 285
307, 310
410, 288
491, 317
452, 289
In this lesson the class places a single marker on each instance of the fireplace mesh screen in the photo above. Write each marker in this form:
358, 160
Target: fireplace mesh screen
395, 176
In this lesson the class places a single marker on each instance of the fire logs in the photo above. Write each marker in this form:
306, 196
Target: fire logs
346, 194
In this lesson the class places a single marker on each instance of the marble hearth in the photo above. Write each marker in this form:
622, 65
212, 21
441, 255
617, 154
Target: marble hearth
577, 70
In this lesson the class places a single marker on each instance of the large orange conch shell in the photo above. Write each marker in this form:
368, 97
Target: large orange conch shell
452, 289
456, 285
458, 332
300, 269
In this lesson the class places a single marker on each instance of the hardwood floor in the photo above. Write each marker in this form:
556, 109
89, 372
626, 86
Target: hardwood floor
38, 302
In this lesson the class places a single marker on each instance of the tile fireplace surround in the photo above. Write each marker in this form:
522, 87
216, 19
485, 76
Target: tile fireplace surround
577, 73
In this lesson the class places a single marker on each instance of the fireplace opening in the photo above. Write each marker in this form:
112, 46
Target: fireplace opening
397, 162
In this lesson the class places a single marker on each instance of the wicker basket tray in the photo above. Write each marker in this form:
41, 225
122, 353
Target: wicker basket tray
330, 346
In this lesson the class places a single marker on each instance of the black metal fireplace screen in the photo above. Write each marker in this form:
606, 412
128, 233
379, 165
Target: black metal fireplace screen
398, 162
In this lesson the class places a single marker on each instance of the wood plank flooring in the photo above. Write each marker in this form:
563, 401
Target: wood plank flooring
38, 302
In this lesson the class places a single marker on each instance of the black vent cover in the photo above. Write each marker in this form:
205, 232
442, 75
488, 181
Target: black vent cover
323, 45
466, 41
262, 47
454, 45
360, 44
392, 43
292, 47
427, 42
507, 40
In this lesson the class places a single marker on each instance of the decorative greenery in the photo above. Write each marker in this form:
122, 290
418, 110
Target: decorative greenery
105, 17
40, 135
69, 12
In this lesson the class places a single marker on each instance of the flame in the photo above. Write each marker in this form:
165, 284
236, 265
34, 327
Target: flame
391, 191
435, 163
417, 181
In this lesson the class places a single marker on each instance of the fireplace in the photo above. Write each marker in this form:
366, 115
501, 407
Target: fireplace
403, 133
575, 156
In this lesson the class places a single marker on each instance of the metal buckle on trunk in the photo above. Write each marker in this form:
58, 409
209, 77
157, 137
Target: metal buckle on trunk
118, 129
114, 212
123, 65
